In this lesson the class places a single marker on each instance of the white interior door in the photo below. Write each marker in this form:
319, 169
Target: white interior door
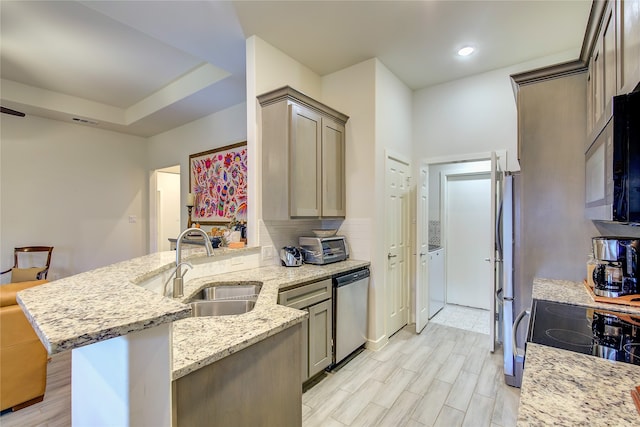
422, 250
467, 213
396, 236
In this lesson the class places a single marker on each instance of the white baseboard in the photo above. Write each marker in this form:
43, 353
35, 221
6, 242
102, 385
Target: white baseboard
376, 345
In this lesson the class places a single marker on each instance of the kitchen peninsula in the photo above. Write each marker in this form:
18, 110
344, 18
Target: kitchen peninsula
103, 306
565, 388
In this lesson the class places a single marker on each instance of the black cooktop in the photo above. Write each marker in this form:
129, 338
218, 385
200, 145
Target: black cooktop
608, 334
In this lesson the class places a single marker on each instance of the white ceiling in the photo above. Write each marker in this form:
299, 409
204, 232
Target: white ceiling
144, 67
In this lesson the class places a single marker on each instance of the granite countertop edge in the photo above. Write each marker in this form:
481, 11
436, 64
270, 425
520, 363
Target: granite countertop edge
575, 293
565, 388
106, 302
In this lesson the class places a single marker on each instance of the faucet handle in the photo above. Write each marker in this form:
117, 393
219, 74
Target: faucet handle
187, 263
174, 271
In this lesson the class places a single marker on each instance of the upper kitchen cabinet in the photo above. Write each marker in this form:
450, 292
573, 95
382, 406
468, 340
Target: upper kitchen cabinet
614, 65
303, 157
602, 73
628, 41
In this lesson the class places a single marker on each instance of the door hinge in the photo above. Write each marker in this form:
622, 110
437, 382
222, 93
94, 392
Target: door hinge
496, 317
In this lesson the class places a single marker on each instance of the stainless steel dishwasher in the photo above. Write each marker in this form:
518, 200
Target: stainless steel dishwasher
350, 300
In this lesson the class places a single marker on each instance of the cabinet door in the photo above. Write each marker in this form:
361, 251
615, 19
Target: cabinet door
305, 350
628, 43
333, 169
602, 72
589, 103
597, 70
320, 317
305, 162
608, 37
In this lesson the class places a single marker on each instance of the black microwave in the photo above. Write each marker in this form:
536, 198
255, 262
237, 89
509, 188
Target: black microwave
613, 165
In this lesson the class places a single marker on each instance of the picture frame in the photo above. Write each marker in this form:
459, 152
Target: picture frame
218, 181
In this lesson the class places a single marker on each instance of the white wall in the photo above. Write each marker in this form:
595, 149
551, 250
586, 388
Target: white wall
358, 81
174, 146
472, 115
393, 136
267, 69
73, 187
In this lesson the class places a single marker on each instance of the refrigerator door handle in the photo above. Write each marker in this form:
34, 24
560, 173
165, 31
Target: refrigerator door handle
500, 298
518, 353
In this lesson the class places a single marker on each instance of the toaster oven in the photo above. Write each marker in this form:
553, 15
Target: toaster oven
324, 250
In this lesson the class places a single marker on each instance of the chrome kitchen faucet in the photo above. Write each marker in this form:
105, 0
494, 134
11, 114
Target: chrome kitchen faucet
178, 284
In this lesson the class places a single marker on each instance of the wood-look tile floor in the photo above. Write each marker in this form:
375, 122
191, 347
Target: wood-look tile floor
444, 376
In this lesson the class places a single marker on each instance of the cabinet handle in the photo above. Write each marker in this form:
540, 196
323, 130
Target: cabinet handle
389, 256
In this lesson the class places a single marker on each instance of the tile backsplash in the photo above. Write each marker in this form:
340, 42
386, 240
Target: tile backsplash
286, 233
434, 233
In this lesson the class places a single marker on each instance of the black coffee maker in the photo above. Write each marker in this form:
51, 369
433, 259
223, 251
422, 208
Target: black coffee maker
616, 336
616, 272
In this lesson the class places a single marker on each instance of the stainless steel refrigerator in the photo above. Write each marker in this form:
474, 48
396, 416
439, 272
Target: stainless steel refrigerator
508, 293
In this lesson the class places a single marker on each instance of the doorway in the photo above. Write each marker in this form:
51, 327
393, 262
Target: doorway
165, 207
456, 171
467, 211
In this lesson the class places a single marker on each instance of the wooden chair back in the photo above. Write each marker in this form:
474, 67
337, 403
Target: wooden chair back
42, 274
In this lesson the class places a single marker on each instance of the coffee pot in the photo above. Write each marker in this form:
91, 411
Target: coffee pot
616, 266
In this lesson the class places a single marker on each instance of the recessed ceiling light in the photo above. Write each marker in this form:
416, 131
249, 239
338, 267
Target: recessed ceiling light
466, 51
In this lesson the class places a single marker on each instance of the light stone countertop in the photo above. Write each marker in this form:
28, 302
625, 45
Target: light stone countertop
574, 293
565, 388
105, 303
200, 341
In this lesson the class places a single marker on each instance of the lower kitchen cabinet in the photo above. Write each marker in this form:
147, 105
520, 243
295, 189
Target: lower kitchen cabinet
257, 386
317, 335
320, 354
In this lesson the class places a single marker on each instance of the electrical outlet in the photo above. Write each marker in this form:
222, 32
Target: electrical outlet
267, 252
132, 219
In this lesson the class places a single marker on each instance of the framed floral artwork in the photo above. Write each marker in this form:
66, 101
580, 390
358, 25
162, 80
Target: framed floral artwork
218, 181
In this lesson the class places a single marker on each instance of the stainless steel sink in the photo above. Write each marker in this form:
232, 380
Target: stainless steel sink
221, 307
224, 299
242, 290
